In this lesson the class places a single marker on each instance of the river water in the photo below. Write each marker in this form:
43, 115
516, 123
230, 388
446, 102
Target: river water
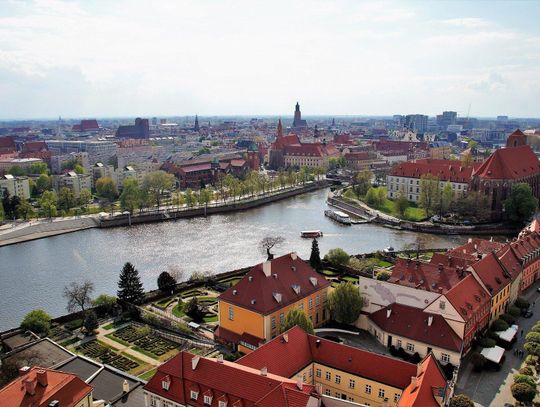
33, 274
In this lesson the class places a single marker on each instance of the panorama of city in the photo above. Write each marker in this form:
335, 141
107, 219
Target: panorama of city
269, 204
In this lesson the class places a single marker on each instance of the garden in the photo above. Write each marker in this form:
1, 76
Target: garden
143, 340
105, 354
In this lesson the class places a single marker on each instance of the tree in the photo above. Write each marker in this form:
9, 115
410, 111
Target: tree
2, 214
106, 188
429, 193
363, 182
297, 317
66, 199
156, 183
193, 310
90, 322
85, 197
521, 204
447, 197
268, 243
78, 295
16, 171
47, 203
337, 257
24, 209
189, 198
39, 168
461, 400
43, 183
205, 196
315, 257
473, 204
522, 378
104, 301
130, 288
523, 392
345, 303
372, 197
78, 168
165, 281
402, 204
37, 321
129, 198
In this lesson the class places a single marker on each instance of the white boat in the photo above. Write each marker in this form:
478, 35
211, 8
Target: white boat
311, 234
338, 216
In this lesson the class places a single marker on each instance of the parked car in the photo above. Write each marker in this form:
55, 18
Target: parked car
527, 313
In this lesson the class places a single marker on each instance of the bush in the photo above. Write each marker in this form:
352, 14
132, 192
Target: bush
533, 337
522, 378
478, 361
362, 265
536, 328
37, 321
531, 360
526, 370
514, 311
521, 303
383, 275
91, 322
461, 400
75, 324
337, 257
523, 392
151, 319
487, 342
193, 310
509, 319
499, 325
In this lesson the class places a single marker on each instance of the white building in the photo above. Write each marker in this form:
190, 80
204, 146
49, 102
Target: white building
72, 180
16, 186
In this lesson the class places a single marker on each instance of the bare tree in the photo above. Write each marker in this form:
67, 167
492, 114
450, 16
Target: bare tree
268, 243
9, 368
78, 295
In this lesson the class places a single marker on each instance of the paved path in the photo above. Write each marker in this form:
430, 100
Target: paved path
491, 388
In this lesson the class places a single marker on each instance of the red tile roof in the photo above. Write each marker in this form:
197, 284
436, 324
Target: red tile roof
526, 245
238, 163
67, 388
492, 274
432, 277
413, 323
226, 380
428, 388
444, 170
286, 357
468, 297
509, 163
288, 280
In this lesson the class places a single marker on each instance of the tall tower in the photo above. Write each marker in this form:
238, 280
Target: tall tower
297, 116
196, 127
279, 130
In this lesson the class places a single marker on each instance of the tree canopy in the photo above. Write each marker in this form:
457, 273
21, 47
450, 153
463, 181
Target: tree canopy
37, 321
165, 281
315, 257
78, 295
461, 400
521, 204
297, 317
337, 256
345, 303
268, 243
130, 288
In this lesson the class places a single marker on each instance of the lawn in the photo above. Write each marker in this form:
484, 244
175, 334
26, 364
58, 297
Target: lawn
178, 310
384, 263
353, 280
329, 273
164, 303
148, 375
209, 317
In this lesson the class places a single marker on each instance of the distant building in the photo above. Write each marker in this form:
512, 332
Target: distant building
58, 162
86, 125
298, 122
446, 119
72, 180
7, 145
416, 122
36, 149
440, 150
24, 163
253, 311
141, 129
15, 186
196, 126
98, 151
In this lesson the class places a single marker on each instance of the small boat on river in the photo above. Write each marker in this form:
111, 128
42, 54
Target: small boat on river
311, 234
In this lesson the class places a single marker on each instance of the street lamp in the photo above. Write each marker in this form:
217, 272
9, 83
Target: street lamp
128, 213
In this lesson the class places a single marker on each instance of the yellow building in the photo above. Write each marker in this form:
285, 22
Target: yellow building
252, 311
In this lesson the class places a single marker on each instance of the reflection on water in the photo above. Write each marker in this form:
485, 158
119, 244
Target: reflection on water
33, 274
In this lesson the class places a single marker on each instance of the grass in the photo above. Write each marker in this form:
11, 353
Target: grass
116, 339
329, 273
178, 310
164, 303
353, 280
334, 284
383, 263
114, 325
210, 318
148, 375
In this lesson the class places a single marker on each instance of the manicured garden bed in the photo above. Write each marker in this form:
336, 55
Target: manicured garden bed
105, 354
329, 273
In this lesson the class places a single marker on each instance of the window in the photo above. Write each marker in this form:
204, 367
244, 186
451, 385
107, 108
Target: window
281, 318
398, 343
304, 377
222, 403
442, 304
352, 383
338, 379
318, 372
273, 322
396, 397
410, 347
327, 392
207, 400
328, 376
194, 395
368, 389
310, 303
301, 306
445, 357
381, 393
231, 313
317, 300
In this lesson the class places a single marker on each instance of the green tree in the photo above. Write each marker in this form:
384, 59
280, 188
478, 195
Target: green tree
130, 288
383, 275
315, 257
47, 203
461, 400
473, 204
43, 183
402, 204
523, 392
297, 317
106, 188
39, 168
345, 303
106, 302
521, 204
362, 182
522, 378
375, 196
66, 199
85, 197
205, 196
165, 281
24, 209
129, 198
193, 310
189, 198
78, 168
16, 171
337, 256
429, 193
90, 322
156, 183
37, 321
447, 197
1, 212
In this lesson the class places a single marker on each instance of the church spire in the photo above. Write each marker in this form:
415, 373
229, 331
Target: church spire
279, 129
196, 127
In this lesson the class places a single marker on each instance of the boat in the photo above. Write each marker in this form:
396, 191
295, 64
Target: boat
338, 216
311, 234
389, 249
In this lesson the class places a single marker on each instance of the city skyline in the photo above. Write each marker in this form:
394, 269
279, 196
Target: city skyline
94, 59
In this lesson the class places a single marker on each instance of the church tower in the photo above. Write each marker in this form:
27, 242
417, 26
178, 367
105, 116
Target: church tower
279, 130
297, 116
196, 127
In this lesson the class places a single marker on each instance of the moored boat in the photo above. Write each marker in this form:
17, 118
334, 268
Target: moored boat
311, 234
338, 216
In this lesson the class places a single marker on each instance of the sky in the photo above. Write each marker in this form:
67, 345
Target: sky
107, 58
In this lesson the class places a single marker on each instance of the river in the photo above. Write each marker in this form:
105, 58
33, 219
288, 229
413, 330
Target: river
33, 274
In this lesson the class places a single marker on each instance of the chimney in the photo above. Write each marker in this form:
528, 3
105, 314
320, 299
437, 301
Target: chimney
430, 320
125, 387
24, 370
441, 266
294, 255
388, 313
286, 337
267, 268
195, 362
30, 386
318, 343
220, 358
299, 382
264, 371
42, 377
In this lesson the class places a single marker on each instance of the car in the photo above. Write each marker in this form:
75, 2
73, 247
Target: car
528, 312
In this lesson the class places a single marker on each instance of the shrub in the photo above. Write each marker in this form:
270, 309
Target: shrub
337, 257
521, 303
193, 310
37, 321
362, 265
461, 400
514, 311
531, 360
183, 328
383, 275
151, 319
533, 337
523, 392
509, 319
487, 342
536, 328
478, 361
74, 324
499, 325
526, 370
522, 378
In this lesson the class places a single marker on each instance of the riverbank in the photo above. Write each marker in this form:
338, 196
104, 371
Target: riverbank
33, 230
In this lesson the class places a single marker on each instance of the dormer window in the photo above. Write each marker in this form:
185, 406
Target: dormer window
194, 395
166, 383
222, 403
296, 288
277, 297
207, 400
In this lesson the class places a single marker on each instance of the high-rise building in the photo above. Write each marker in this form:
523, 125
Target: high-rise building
416, 122
446, 119
298, 122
